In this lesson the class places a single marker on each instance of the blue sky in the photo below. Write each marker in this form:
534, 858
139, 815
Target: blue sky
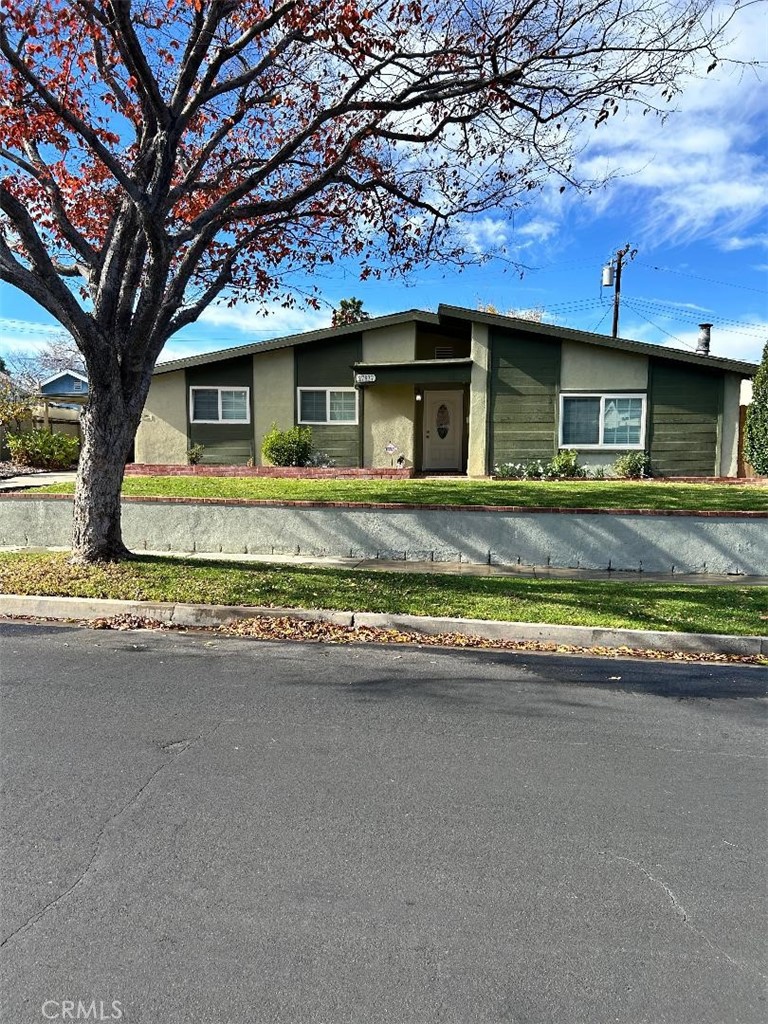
691, 195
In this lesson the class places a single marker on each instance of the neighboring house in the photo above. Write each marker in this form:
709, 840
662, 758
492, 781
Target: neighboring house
458, 391
65, 384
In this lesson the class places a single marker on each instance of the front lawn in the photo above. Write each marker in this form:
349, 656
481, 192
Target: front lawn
659, 606
563, 494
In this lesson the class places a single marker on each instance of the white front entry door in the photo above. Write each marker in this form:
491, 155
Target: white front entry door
443, 428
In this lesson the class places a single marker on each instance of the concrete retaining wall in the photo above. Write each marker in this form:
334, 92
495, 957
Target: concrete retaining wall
670, 542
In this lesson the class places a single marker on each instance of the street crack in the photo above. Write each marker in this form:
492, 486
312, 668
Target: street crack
177, 749
683, 915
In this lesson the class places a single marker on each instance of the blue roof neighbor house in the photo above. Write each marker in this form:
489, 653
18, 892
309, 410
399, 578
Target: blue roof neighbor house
63, 384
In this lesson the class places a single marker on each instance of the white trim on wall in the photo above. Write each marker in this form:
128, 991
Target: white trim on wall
219, 389
327, 420
604, 396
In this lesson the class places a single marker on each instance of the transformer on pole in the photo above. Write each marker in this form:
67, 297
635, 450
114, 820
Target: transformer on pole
612, 279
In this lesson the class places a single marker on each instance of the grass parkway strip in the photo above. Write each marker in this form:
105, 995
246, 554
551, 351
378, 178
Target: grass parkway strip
735, 610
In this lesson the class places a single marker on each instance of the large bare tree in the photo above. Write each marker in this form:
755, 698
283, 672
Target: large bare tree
158, 156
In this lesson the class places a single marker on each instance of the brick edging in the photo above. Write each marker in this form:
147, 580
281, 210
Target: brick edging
393, 506
271, 472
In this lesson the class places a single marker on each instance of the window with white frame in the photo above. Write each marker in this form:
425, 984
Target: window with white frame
602, 421
219, 405
327, 405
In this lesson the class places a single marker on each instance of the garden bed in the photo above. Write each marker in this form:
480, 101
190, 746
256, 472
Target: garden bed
272, 472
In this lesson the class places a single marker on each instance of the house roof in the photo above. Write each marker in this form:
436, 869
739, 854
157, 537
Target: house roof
63, 373
289, 340
602, 340
664, 352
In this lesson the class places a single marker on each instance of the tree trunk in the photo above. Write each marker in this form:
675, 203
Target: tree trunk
107, 433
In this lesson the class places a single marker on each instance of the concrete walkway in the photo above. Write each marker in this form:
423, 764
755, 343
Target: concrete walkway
452, 568
472, 569
32, 480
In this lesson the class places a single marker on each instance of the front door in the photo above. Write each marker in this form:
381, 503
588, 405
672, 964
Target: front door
443, 428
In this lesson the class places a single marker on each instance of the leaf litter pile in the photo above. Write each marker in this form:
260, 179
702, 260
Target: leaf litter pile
313, 631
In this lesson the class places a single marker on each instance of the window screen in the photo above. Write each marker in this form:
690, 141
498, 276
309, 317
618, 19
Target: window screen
581, 421
312, 407
205, 404
234, 405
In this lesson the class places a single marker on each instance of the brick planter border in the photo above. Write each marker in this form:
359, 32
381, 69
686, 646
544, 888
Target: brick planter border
32, 495
275, 472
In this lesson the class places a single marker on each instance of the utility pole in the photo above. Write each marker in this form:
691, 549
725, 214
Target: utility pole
608, 279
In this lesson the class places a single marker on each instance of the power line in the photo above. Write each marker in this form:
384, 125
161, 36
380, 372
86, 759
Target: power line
647, 320
605, 314
690, 316
709, 280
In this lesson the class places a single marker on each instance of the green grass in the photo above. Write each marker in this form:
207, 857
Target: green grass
566, 493
667, 606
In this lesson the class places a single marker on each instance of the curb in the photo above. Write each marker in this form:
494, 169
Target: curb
218, 615
578, 636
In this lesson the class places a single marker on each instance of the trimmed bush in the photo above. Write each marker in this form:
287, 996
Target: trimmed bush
43, 450
292, 447
632, 466
565, 466
756, 436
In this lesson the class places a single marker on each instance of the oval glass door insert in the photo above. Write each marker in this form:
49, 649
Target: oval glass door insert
442, 421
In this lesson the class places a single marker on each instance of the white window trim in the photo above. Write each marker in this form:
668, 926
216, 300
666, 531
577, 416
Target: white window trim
327, 421
219, 389
604, 397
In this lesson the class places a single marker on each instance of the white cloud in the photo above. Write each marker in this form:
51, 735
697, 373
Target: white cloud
736, 243
26, 336
744, 342
260, 323
702, 173
538, 229
484, 234
242, 324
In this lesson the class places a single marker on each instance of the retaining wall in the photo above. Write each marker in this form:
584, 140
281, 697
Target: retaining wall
708, 542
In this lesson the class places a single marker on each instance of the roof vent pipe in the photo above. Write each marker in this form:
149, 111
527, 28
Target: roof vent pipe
702, 348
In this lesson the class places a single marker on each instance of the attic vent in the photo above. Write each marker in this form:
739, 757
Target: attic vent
444, 352
77, 385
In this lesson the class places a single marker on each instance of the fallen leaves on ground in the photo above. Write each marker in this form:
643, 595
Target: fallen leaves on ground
313, 631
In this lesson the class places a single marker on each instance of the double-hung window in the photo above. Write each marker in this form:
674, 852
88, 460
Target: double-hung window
602, 421
219, 405
327, 405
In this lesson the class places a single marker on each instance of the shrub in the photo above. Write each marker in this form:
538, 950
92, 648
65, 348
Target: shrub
320, 460
531, 470
632, 466
292, 447
195, 454
43, 450
564, 466
756, 438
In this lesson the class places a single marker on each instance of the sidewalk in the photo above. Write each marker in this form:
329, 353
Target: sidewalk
473, 569
32, 480
541, 572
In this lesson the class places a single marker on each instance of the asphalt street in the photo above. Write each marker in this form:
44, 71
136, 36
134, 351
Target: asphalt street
213, 830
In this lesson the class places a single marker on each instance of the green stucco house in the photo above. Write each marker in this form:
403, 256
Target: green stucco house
457, 391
